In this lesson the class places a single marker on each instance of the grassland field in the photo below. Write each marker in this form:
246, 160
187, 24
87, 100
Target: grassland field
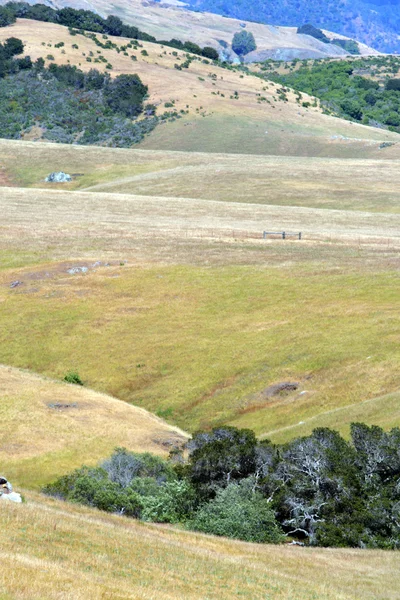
211, 317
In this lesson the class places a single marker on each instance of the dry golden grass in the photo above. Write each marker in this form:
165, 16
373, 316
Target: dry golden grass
216, 121
50, 428
54, 551
199, 344
344, 184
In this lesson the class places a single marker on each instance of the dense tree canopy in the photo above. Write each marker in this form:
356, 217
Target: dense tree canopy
321, 488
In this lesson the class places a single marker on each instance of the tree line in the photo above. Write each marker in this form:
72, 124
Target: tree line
321, 490
347, 94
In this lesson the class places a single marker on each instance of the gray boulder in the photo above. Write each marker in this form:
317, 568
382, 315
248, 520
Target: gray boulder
58, 177
7, 493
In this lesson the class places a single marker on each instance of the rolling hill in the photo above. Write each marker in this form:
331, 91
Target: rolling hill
187, 288
52, 427
217, 110
56, 550
374, 22
148, 274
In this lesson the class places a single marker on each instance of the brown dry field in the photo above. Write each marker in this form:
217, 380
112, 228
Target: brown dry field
343, 184
216, 121
82, 224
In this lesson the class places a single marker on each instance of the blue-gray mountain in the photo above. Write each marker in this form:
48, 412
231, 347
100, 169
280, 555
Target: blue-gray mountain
376, 23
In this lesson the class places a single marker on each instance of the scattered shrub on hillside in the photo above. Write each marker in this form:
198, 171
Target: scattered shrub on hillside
73, 377
79, 20
344, 92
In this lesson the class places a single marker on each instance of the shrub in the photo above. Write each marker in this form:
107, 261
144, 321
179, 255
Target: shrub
393, 85
209, 52
125, 94
238, 512
92, 487
350, 46
73, 377
123, 467
318, 34
173, 502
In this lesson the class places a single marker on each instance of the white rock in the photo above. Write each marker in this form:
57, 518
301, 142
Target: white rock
12, 497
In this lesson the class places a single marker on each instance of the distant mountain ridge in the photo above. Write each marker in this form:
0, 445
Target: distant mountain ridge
168, 19
374, 22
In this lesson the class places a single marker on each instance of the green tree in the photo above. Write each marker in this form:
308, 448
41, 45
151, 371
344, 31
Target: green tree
125, 94
238, 512
243, 42
221, 456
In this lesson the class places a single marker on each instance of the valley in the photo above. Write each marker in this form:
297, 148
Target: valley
148, 276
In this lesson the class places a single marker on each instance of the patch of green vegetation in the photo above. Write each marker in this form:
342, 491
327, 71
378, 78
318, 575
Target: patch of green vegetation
343, 91
71, 106
321, 489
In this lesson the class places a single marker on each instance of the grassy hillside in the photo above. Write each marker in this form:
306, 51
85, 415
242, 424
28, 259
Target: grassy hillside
206, 108
55, 550
340, 184
207, 340
52, 427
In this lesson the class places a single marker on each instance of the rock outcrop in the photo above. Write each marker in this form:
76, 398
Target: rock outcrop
58, 177
7, 493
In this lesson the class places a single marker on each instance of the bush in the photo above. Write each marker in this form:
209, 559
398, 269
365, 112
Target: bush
125, 94
238, 512
209, 52
350, 46
124, 466
92, 487
73, 377
172, 503
316, 33
393, 85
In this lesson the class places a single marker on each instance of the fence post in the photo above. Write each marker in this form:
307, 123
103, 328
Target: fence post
299, 235
283, 235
